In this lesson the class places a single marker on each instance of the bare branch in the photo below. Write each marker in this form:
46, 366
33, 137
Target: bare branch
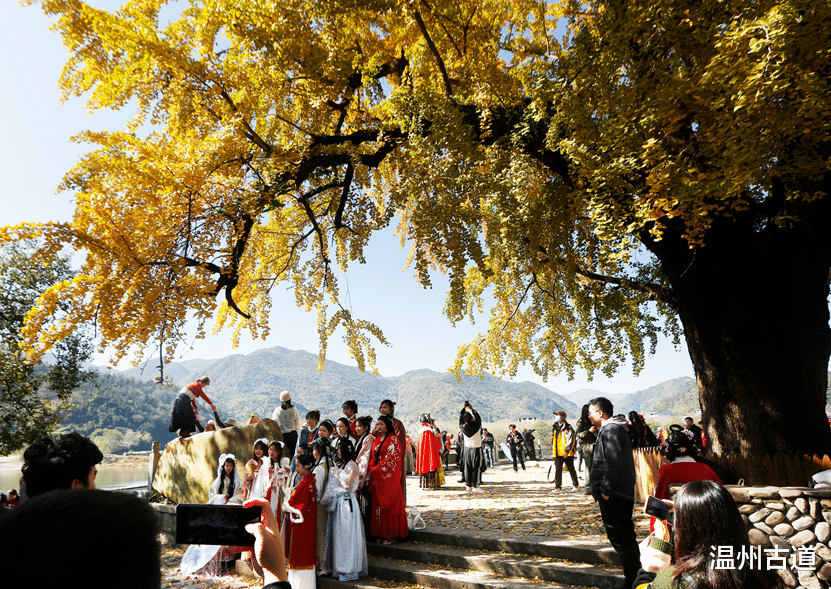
655, 291
347, 184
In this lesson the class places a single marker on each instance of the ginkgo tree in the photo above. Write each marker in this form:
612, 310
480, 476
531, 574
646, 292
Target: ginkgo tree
598, 173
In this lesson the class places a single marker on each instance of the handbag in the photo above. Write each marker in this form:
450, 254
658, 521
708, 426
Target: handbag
414, 519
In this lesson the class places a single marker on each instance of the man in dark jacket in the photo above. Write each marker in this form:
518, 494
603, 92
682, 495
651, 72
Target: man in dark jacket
613, 483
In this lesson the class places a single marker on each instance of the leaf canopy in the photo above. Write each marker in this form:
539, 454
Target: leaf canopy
533, 151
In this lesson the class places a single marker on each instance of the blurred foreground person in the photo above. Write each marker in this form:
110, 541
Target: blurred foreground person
67, 462
81, 538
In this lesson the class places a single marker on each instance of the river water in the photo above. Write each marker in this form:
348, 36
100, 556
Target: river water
107, 477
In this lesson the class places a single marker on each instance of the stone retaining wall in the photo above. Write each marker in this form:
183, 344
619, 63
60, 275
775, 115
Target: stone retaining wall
788, 520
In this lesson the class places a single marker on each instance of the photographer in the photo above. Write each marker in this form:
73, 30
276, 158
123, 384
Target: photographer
705, 516
473, 459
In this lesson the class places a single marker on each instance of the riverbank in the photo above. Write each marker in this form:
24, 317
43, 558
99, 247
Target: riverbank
110, 462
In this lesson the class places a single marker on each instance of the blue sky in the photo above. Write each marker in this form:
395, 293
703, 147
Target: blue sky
37, 151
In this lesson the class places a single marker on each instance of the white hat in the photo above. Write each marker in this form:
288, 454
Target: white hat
285, 396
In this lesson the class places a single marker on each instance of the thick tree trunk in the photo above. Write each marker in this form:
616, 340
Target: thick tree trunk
754, 306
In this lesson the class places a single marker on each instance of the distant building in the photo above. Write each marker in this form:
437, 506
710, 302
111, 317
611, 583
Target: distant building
527, 418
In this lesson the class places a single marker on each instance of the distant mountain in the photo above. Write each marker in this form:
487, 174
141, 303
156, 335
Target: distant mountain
583, 396
678, 396
251, 383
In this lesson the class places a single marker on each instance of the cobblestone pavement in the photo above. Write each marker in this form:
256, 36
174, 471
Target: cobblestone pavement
521, 504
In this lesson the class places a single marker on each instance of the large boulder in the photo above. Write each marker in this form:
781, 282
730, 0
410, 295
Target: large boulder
188, 467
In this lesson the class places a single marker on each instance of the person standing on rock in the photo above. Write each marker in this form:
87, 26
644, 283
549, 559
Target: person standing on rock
473, 460
288, 421
613, 483
183, 416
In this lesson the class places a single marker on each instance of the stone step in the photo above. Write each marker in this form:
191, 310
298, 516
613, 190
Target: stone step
591, 550
496, 563
402, 571
324, 582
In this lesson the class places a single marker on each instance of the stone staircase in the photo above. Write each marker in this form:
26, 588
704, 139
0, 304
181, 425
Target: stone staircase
452, 559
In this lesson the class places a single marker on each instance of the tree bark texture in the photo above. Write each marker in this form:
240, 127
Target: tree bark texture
754, 305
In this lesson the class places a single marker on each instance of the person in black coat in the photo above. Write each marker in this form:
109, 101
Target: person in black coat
515, 443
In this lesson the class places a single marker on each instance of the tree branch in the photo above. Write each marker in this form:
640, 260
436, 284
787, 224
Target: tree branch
347, 184
655, 291
433, 49
249, 131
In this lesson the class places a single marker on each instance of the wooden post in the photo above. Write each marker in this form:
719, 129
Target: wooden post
152, 465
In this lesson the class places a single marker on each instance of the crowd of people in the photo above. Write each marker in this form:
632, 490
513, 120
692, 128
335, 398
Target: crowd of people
333, 484
329, 486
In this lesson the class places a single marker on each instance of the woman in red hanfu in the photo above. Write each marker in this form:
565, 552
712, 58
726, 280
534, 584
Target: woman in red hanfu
389, 518
300, 530
428, 461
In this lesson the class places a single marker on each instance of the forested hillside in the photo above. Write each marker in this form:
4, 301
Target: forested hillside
128, 410
121, 413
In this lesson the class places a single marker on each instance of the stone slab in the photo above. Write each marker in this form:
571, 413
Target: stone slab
759, 538
758, 516
764, 492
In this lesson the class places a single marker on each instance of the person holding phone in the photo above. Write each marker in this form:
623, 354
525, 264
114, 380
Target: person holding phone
269, 554
705, 516
473, 459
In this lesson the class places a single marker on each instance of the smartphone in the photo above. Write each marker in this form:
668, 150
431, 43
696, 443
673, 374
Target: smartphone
657, 508
198, 523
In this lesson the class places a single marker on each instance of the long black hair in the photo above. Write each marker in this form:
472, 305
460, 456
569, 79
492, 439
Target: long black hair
636, 431
678, 443
706, 516
232, 479
388, 422
347, 451
280, 448
366, 423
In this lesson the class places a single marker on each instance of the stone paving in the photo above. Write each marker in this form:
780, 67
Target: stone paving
520, 504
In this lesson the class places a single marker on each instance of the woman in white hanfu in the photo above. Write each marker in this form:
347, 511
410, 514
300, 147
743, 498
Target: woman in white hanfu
227, 488
272, 477
345, 556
